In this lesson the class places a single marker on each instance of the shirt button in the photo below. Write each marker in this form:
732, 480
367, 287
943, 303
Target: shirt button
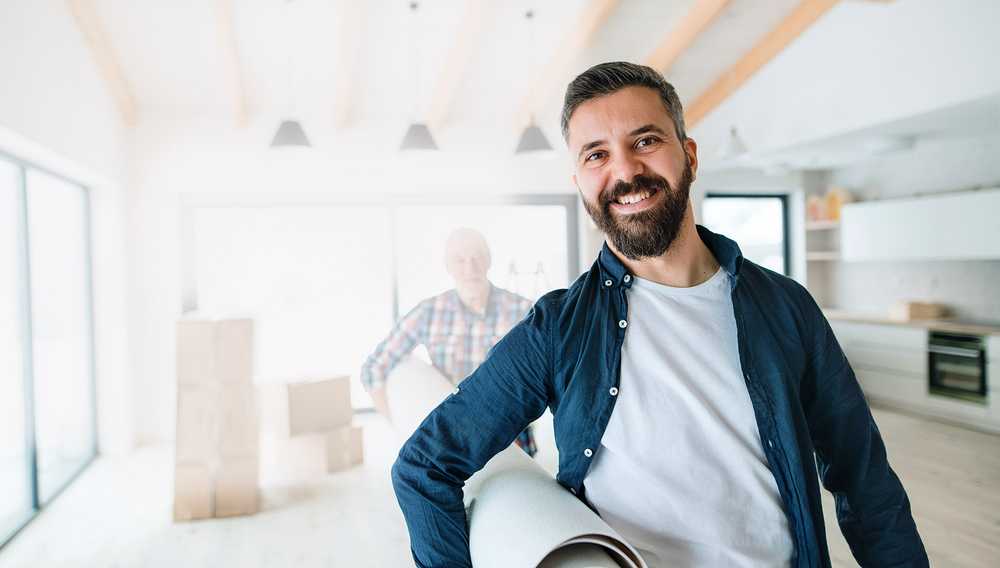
613, 391
623, 324
747, 376
627, 279
608, 282
770, 444
455, 391
572, 490
588, 452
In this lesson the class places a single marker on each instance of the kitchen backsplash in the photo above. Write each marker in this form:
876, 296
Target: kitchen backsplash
970, 287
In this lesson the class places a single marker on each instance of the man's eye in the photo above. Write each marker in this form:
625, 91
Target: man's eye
594, 156
645, 141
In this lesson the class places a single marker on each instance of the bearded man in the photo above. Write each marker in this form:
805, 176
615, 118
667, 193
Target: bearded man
694, 392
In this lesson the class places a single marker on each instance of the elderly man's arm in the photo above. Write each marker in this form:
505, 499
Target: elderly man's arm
872, 507
408, 332
505, 394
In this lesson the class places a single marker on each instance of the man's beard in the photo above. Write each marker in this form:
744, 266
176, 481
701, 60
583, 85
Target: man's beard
647, 233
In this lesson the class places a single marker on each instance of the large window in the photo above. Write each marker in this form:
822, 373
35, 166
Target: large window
47, 411
527, 262
758, 223
324, 282
316, 280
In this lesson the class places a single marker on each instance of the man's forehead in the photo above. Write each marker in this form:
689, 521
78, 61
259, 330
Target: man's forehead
617, 114
465, 245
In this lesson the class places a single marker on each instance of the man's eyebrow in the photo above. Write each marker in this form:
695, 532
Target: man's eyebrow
589, 146
647, 128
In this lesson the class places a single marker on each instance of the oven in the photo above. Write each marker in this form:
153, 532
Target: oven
957, 366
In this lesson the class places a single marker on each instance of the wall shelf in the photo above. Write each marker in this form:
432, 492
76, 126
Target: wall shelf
822, 225
822, 255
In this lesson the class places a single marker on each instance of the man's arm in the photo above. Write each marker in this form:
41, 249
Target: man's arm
404, 337
484, 415
872, 507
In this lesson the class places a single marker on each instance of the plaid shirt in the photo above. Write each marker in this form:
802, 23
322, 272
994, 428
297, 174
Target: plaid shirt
456, 338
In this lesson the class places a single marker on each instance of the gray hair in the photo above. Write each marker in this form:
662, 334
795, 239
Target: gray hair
466, 235
606, 78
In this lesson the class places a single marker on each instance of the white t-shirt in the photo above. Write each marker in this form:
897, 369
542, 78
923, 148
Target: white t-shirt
681, 472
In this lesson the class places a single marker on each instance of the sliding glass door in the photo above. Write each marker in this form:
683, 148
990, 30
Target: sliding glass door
47, 408
60, 327
16, 501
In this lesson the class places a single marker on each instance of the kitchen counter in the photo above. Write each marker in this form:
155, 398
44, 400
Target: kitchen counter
946, 325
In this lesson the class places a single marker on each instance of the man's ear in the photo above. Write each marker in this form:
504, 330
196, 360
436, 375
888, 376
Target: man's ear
573, 177
691, 149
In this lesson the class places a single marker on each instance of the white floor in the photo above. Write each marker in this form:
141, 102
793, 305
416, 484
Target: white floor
118, 513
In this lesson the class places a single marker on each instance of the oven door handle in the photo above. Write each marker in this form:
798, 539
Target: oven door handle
956, 351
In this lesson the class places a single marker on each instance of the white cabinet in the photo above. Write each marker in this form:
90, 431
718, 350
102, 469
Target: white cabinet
889, 361
948, 226
993, 351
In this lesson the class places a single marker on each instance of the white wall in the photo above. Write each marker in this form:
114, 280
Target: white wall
186, 158
864, 63
56, 112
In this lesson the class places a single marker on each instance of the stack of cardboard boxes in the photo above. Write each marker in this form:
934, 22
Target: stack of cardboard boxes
307, 430
216, 473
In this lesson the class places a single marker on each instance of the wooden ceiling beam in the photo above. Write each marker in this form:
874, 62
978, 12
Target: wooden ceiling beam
350, 31
681, 36
457, 64
791, 27
559, 68
233, 72
85, 14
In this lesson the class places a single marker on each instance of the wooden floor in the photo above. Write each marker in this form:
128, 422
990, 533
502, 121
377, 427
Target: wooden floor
118, 512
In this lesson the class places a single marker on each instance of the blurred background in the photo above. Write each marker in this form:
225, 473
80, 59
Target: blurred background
302, 163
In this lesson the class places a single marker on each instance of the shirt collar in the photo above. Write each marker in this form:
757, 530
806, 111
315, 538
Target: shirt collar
491, 301
725, 250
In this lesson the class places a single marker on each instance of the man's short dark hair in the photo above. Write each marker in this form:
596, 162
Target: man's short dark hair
606, 78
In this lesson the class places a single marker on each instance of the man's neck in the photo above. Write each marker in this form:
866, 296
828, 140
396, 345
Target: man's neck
474, 297
687, 262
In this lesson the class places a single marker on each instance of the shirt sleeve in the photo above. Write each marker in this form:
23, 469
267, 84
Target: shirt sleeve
484, 415
404, 337
872, 507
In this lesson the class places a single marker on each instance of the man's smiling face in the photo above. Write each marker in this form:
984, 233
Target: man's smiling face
633, 172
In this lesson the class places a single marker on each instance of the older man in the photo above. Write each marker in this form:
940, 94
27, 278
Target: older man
694, 392
458, 327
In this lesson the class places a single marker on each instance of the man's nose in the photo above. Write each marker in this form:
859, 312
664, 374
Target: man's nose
625, 167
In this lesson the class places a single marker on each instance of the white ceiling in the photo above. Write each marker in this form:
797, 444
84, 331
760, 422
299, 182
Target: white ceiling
173, 56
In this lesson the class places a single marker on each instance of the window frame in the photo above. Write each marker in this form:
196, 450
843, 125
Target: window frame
785, 227
191, 203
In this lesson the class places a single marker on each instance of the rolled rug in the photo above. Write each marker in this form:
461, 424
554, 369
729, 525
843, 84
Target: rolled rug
518, 514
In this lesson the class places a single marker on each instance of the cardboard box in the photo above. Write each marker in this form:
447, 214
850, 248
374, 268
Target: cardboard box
236, 483
344, 448
214, 351
195, 357
909, 311
217, 436
312, 407
307, 457
319, 406
238, 426
197, 424
288, 461
234, 351
193, 497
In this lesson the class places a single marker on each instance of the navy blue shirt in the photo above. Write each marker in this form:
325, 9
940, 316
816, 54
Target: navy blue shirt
566, 356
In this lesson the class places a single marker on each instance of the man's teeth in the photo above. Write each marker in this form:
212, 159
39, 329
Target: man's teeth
633, 198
